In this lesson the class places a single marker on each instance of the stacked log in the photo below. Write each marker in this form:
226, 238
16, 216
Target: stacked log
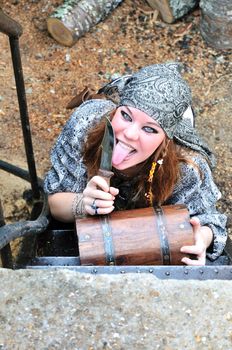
216, 23
171, 10
75, 17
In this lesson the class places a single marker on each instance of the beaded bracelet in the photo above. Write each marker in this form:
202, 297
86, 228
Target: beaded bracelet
77, 205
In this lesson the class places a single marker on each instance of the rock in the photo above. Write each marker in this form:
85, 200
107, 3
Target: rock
63, 309
216, 23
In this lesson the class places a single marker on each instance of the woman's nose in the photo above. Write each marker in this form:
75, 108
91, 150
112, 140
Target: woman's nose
132, 132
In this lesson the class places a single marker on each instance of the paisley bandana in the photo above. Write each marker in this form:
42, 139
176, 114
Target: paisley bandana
159, 91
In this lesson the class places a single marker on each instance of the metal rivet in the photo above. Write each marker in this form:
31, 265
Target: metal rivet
111, 263
167, 273
150, 270
216, 271
186, 272
201, 271
122, 271
94, 271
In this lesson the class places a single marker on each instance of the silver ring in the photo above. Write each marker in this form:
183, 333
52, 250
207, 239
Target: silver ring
94, 207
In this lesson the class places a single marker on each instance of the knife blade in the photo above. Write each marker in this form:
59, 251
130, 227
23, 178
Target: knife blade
107, 147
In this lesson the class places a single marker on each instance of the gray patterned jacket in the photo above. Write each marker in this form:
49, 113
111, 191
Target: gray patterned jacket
68, 173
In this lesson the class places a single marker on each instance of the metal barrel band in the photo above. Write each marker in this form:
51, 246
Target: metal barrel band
163, 236
108, 240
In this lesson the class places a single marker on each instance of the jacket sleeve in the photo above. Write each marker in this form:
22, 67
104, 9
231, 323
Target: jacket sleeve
197, 190
68, 173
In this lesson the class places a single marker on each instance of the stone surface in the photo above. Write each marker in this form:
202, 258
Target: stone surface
216, 23
69, 310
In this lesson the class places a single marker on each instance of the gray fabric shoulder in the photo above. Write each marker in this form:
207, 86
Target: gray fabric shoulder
197, 190
68, 173
195, 178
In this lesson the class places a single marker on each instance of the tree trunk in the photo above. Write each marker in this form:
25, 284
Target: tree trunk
216, 23
75, 17
171, 10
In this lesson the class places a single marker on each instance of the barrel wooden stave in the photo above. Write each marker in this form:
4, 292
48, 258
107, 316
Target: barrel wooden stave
90, 241
134, 238
179, 229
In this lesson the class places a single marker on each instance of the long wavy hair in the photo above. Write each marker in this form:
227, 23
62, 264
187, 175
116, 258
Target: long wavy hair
165, 176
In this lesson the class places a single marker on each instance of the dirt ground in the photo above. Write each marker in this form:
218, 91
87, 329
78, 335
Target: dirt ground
128, 39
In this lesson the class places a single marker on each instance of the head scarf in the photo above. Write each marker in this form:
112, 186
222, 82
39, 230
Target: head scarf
160, 91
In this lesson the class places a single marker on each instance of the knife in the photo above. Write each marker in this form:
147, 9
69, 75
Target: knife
107, 147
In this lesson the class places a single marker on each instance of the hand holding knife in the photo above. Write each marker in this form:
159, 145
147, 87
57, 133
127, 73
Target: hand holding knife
97, 198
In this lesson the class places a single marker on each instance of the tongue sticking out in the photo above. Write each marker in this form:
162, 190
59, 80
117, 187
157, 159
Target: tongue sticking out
119, 154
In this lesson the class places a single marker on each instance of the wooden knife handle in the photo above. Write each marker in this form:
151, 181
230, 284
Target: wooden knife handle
106, 174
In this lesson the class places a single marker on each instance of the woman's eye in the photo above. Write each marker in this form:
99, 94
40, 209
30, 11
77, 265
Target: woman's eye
150, 130
126, 116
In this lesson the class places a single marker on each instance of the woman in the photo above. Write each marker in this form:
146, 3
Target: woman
158, 157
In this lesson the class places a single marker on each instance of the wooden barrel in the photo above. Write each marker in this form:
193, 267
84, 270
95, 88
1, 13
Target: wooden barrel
216, 23
148, 236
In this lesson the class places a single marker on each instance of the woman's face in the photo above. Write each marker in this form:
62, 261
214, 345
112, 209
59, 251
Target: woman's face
137, 137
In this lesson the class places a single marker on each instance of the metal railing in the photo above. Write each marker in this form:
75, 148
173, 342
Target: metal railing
9, 232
